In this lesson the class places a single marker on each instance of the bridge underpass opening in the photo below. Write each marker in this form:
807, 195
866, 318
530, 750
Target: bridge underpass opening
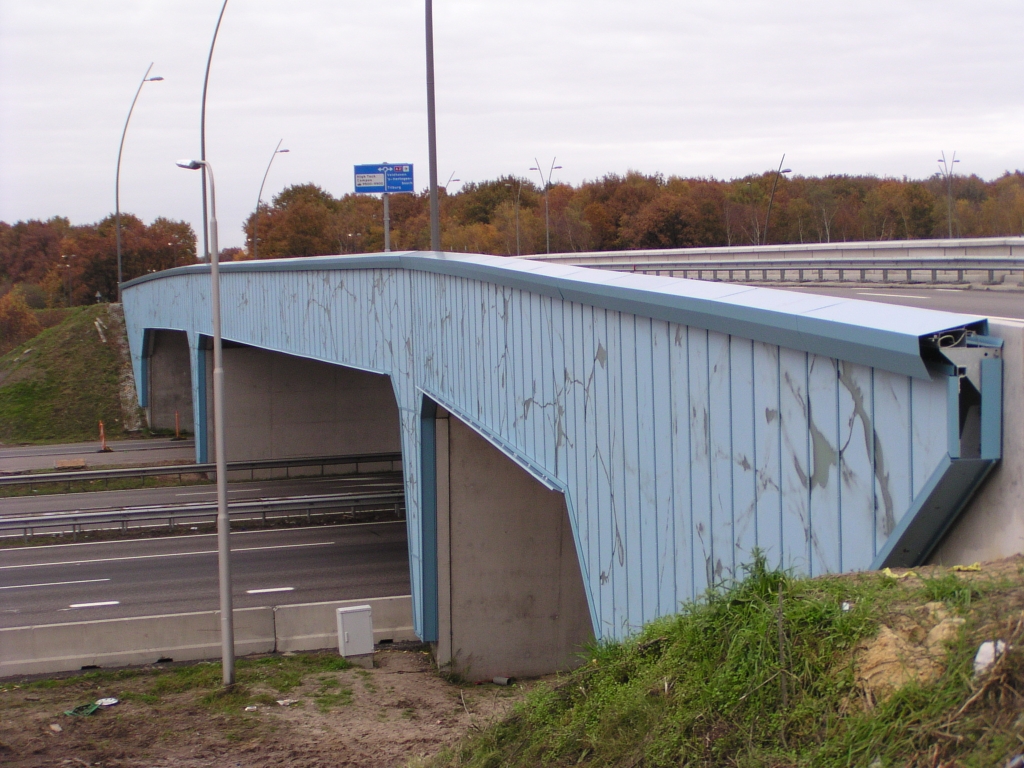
278, 406
168, 386
510, 594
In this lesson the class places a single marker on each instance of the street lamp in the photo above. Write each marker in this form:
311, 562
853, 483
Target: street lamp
946, 169
451, 180
256, 219
778, 173
117, 182
435, 210
227, 629
202, 129
519, 191
547, 183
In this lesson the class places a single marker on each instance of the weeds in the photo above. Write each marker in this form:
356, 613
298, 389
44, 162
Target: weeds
761, 673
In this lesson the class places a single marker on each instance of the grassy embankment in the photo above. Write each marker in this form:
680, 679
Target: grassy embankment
746, 678
60, 384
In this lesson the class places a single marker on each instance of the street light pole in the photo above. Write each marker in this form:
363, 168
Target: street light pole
946, 170
117, 181
547, 184
227, 625
256, 219
778, 173
202, 131
435, 214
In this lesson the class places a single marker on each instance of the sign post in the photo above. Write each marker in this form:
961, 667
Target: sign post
383, 179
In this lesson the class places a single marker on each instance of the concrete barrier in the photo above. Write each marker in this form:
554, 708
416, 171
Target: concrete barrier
311, 626
992, 527
138, 640
47, 648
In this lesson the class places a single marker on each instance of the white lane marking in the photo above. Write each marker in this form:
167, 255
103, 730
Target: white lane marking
893, 295
210, 493
54, 584
270, 589
1017, 320
95, 605
233, 533
950, 290
165, 554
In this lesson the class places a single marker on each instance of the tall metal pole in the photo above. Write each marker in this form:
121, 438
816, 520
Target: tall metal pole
202, 132
435, 216
256, 218
947, 171
547, 183
770, 199
117, 182
227, 624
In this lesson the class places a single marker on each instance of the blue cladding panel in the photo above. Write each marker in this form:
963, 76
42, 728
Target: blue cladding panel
680, 448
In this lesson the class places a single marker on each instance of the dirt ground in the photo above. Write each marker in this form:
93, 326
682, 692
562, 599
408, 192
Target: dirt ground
398, 712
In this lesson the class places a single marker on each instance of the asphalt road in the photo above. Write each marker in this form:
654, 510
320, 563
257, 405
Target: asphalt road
22, 458
259, 489
117, 579
994, 304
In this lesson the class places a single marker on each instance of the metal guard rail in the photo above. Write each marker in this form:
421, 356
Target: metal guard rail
346, 502
862, 265
188, 469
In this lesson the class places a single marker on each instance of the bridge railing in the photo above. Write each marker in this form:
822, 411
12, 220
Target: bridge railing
931, 271
388, 500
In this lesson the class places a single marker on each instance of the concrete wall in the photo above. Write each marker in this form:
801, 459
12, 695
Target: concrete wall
169, 381
992, 527
512, 601
278, 405
189, 636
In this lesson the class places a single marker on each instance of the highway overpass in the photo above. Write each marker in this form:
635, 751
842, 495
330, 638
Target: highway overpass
585, 450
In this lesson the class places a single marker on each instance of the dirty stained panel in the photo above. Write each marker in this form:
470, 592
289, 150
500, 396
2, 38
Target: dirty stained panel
680, 450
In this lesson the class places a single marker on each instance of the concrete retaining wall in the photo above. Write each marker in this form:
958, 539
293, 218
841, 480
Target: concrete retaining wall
188, 636
992, 527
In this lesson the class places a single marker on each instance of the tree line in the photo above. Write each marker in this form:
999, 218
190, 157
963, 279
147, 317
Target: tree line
55, 263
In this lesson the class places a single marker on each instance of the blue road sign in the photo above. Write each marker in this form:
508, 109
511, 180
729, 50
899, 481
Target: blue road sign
384, 177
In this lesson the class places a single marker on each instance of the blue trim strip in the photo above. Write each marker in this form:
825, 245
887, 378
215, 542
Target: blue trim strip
856, 331
428, 474
991, 408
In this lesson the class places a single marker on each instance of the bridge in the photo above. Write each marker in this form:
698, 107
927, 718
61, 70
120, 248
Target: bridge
584, 450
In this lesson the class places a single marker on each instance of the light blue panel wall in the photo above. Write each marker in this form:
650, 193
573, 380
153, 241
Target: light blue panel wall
768, 448
856, 441
825, 505
679, 449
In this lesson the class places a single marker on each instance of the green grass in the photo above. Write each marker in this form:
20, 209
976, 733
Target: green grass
712, 687
62, 388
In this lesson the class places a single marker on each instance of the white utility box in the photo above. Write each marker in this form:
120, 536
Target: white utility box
355, 631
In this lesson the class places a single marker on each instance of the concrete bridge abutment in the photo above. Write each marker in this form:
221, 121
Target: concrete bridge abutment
511, 600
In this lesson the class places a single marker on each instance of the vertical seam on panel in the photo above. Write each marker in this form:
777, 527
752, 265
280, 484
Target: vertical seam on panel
753, 452
778, 404
732, 457
672, 463
910, 433
711, 484
689, 445
809, 532
874, 473
839, 472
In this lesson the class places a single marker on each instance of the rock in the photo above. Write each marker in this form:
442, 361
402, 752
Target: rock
890, 661
986, 655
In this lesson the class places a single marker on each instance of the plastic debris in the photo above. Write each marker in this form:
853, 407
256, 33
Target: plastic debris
503, 680
1017, 761
253, 708
986, 655
287, 702
108, 701
893, 575
847, 605
973, 567
82, 710
55, 728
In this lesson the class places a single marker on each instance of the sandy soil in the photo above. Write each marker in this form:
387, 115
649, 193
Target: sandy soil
390, 715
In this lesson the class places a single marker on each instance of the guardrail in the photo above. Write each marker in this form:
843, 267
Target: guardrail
251, 466
926, 270
343, 503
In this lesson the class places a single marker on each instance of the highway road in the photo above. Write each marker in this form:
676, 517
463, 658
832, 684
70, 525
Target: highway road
259, 489
22, 458
994, 304
116, 579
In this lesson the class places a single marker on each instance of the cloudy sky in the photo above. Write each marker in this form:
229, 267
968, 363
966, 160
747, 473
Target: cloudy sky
691, 87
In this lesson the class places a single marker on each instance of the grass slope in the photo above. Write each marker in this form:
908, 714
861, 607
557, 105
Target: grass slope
58, 385
737, 680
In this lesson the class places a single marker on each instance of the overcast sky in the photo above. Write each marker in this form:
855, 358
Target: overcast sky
690, 87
